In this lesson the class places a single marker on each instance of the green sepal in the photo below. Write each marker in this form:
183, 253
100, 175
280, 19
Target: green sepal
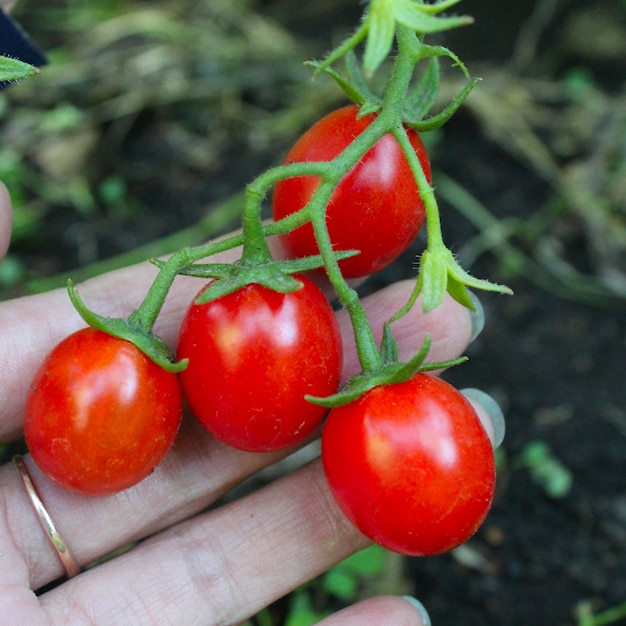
391, 373
424, 94
357, 78
381, 29
437, 121
354, 84
13, 69
414, 16
384, 16
268, 276
275, 275
460, 293
432, 279
438, 7
388, 346
149, 343
439, 272
351, 90
343, 49
372, 106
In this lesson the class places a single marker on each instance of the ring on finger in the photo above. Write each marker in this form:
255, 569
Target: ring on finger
65, 555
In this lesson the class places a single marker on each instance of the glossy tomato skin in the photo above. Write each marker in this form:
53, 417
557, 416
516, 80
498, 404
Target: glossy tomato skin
253, 355
100, 415
376, 208
410, 465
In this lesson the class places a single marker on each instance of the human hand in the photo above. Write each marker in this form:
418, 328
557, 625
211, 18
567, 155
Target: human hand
194, 566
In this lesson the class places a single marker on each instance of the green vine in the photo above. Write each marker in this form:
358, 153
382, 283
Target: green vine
405, 102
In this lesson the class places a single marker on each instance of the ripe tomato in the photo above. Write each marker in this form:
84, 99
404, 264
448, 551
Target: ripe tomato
376, 207
100, 415
253, 355
410, 465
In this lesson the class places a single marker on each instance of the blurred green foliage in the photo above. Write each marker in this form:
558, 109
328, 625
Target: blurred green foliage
136, 90
177, 84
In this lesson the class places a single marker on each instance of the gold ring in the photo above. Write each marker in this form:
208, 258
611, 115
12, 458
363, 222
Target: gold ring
69, 563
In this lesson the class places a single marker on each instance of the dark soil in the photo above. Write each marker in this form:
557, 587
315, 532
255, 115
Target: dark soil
557, 369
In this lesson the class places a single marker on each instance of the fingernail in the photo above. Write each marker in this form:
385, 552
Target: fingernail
477, 316
490, 410
421, 609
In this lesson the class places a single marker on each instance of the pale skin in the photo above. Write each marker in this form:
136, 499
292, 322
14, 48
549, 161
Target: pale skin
214, 568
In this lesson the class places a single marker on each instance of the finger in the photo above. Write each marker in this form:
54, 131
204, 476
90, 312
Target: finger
220, 567
489, 413
196, 472
380, 611
5, 220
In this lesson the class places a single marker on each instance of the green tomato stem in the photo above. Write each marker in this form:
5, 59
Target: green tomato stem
256, 252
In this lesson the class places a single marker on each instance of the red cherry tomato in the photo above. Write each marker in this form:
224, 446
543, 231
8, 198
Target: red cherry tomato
376, 208
253, 356
410, 465
100, 415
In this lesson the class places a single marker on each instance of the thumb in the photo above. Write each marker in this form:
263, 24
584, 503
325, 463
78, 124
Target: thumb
5, 220
379, 611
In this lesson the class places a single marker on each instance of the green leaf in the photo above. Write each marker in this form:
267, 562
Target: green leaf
301, 611
341, 583
12, 69
546, 470
367, 562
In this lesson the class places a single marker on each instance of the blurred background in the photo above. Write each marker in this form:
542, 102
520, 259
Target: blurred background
151, 116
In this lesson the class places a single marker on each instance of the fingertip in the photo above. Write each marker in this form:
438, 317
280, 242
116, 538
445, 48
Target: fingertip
489, 413
5, 219
420, 608
381, 611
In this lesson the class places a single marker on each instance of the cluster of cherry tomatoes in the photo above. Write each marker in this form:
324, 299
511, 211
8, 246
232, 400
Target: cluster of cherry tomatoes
409, 464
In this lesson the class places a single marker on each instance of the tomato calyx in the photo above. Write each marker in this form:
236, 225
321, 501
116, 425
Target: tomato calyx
419, 99
390, 371
149, 343
422, 98
439, 272
381, 22
272, 273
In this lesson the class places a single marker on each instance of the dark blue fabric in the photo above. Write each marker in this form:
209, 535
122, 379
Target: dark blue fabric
14, 42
